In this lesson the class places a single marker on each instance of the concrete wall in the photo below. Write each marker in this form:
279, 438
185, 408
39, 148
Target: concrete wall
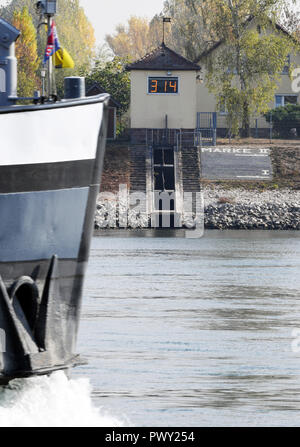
149, 110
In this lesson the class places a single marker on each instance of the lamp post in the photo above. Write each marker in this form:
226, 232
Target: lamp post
47, 7
51, 7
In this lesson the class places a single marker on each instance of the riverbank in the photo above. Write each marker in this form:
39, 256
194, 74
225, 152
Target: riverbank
270, 204
224, 209
239, 208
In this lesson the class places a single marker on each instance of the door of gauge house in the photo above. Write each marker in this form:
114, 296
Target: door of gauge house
164, 185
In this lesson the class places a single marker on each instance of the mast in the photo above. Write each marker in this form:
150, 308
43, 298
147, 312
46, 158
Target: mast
47, 9
49, 63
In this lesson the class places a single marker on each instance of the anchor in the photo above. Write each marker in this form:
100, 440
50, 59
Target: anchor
32, 325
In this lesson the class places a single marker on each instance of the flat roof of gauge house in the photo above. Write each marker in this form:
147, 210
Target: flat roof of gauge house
163, 58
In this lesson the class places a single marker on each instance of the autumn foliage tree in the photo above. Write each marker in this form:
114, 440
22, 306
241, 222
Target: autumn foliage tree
192, 31
135, 39
75, 33
26, 53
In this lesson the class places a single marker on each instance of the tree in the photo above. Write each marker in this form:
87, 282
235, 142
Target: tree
113, 77
26, 53
135, 39
141, 36
291, 19
192, 31
75, 33
244, 71
189, 33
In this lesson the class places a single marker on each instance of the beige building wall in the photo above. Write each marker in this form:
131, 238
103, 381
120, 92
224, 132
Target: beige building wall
149, 110
206, 101
285, 86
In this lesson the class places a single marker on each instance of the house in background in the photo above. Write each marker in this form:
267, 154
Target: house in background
172, 115
206, 101
164, 154
168, 91
113, 107
163, 93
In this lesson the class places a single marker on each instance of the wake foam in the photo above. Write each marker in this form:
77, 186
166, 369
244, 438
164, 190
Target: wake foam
51, 401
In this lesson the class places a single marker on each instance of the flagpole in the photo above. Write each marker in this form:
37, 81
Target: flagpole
50, 67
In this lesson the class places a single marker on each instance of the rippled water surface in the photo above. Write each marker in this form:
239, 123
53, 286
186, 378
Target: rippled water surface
194, 332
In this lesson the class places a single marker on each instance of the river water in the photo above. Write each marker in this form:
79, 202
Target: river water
179, 332
194, 332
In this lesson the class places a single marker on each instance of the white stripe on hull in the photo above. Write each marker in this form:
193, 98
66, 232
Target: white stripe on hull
53, 135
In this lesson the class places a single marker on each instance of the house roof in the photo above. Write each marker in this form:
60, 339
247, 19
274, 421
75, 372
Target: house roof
96, 89
163, 58
217, 44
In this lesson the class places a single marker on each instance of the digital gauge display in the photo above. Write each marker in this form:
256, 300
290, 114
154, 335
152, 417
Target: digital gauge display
162, 85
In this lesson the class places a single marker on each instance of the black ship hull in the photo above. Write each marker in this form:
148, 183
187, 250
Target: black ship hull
50, 170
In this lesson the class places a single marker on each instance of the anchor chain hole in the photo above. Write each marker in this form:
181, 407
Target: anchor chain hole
25, 293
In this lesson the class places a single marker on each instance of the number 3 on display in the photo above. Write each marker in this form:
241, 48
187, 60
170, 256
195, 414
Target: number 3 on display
154, 83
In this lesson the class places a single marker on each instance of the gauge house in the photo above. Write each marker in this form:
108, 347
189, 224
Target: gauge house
166, 132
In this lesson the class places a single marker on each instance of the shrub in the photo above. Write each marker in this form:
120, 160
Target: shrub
285, 119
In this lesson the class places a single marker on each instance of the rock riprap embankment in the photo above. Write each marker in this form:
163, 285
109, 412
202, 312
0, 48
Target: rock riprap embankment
243, 209
223, 209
